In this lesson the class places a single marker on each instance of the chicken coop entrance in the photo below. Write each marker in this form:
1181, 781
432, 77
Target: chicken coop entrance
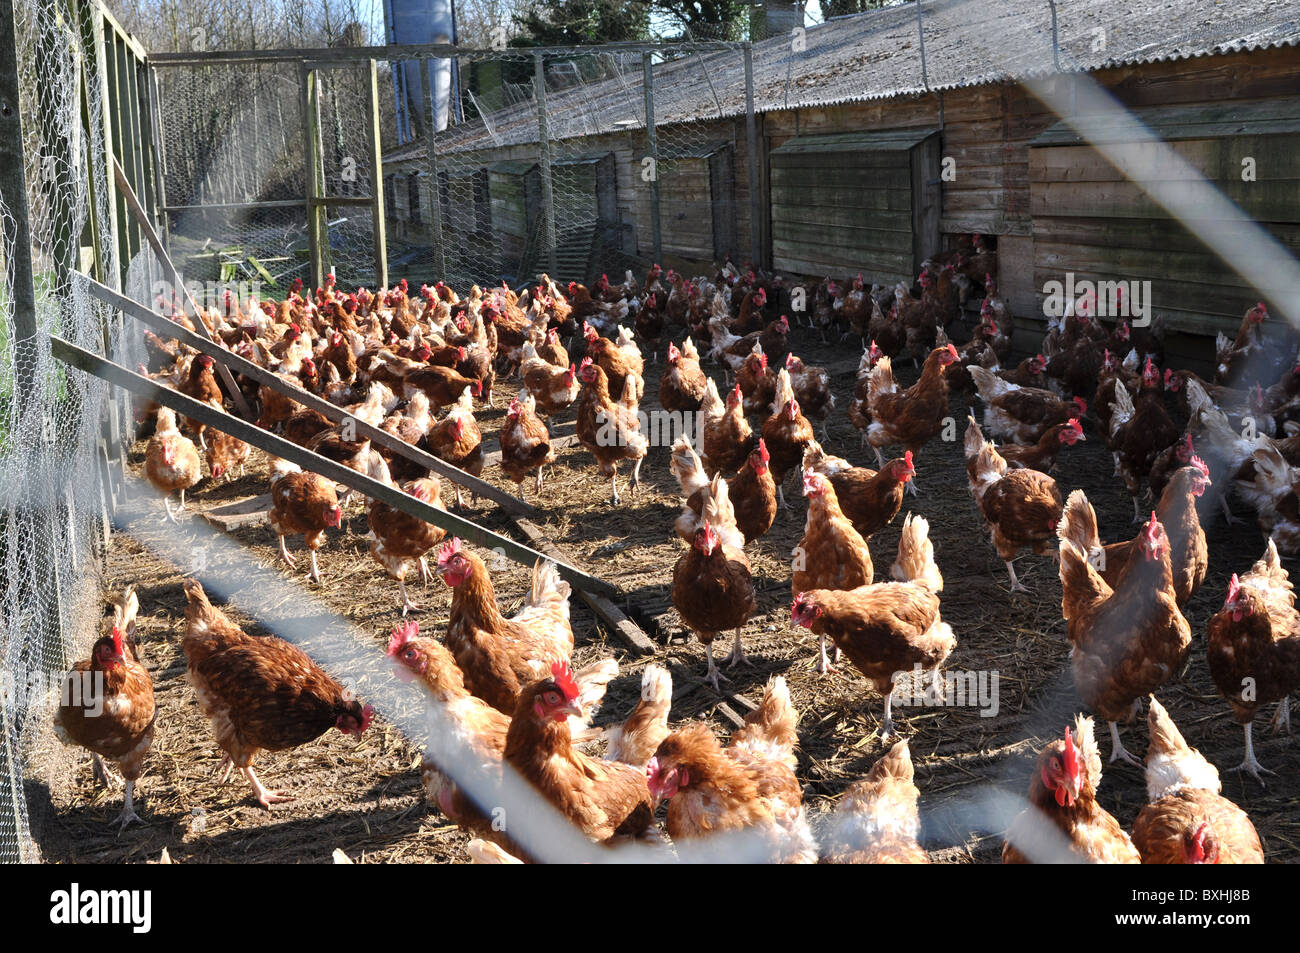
843, 200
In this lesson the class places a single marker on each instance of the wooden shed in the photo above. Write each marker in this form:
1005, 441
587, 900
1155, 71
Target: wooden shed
850, 202
515, 196
697, 200
1094, 219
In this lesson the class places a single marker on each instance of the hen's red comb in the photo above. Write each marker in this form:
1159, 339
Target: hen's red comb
449, 549
762, 450
1234, 587
907, 458
1197, 852
1200, 465
401, 635
1071, 755
117, 641
563, 676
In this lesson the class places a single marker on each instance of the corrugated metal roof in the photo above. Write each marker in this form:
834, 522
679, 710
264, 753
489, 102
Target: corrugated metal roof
877, 55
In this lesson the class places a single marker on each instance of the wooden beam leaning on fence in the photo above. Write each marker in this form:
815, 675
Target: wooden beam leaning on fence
277, 446
228, 359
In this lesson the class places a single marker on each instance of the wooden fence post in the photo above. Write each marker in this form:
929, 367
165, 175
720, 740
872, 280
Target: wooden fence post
376, 179
435, 183
544, 164
313, 175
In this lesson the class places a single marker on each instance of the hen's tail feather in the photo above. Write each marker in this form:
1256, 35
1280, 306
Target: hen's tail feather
718, 512
896, 763
1171, 763
125, 609
548, 588
989, 385
770, 728
974, 440
685, 465
593, 681
485, 852
1079, 523
1121, 408
635, 741
881, 378
915, 562
1270, 566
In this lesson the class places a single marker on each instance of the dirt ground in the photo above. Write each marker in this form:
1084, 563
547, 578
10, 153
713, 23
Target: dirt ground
972, 770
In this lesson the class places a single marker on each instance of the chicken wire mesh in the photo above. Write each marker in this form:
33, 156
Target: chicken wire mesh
576, 177
234, 174
49, 420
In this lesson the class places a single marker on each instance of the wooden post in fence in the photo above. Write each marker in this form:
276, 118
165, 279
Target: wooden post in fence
752, 139
38, 628
376, 178
313, 175
544, 164
652, 147
435, 183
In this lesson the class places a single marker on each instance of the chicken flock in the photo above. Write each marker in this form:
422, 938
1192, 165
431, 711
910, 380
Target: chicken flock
505, 689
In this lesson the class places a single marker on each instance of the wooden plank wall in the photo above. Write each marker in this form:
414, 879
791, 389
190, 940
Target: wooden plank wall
843, 211
1090, 220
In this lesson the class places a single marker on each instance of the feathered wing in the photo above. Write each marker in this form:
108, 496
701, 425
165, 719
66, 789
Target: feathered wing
635, 740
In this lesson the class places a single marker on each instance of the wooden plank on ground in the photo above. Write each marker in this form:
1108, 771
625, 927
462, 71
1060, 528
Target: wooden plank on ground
249, 511
623, 628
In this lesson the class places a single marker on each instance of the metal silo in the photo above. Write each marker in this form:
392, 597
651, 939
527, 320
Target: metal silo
421, 21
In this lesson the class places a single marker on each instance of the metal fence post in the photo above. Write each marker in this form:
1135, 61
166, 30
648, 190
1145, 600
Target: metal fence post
920, 34
751, 133
652, 145
544, 143
435, 183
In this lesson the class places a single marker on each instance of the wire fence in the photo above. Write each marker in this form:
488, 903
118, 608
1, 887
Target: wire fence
54, 186
574, 162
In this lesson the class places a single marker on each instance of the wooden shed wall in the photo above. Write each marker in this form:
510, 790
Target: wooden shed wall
987, 130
